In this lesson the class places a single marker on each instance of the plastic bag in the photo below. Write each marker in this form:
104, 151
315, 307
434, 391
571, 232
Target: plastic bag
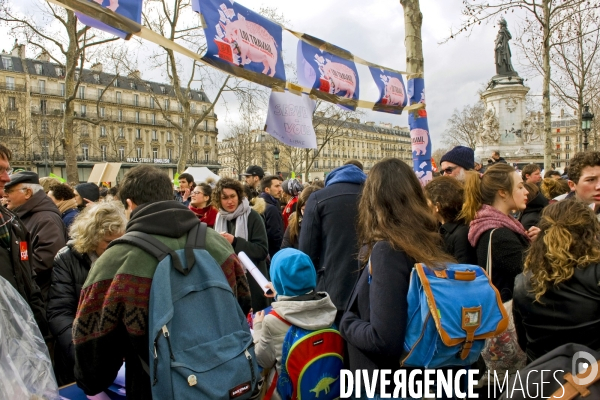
25, 367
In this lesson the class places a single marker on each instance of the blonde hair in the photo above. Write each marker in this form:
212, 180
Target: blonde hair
568, 239
95, 222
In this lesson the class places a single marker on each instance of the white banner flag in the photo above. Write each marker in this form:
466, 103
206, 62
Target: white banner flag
289, 119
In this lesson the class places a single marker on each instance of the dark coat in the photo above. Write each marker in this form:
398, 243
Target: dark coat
273, 223
570, 313
17, 269
70, 270
48, 235
533, 212
69, 216
508, 250
456, 242
375, 323
328, 236
256, 249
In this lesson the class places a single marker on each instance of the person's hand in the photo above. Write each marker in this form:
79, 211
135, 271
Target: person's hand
186, 194
273, 292
228, 236
533, 232
89, 203
259, 317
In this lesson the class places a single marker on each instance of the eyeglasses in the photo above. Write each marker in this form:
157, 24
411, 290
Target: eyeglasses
448, 170
195, 192
9, 191
7, 170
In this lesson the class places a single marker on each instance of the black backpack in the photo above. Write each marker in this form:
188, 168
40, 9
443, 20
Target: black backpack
563, 374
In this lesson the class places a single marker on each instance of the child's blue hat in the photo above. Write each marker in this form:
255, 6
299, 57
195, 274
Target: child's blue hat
292, 273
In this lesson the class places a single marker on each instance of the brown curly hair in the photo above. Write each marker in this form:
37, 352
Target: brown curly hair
552, 188
568, 239
447, 193
227, 183
580, 161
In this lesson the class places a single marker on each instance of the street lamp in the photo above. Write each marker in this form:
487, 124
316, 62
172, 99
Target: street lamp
586, 124
276, 156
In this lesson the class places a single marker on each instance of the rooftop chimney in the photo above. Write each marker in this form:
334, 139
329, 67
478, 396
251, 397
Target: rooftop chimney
97, 67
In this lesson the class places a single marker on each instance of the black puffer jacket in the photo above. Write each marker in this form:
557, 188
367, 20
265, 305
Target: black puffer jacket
456, 242
68, 276
532, 214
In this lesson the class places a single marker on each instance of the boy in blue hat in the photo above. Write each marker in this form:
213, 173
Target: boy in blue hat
298, 303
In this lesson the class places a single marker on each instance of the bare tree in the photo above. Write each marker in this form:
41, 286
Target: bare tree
243, 139
545, 16
15, 132
462, 126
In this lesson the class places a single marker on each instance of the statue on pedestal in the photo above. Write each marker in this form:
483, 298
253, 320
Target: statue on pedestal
531, 131
503, 63
489, 129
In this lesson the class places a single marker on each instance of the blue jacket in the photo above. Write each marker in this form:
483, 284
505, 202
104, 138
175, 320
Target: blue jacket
328, 232
273, 223
69, 216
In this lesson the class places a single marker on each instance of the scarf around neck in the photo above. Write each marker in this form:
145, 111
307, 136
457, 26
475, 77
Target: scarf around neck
490, 218
241, 219
66, 205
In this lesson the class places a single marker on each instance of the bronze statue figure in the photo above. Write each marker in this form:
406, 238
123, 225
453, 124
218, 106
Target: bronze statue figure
503, 64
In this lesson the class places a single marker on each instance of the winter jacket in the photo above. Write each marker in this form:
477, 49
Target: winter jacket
178, 196
312, 312
207, 214
328, 232
533, 212
273, 223
287, 241
256, 248
69, 216
508, 250
112, 318
375, 322
48, 235
16, 266
456, 242
69, 273
567, 313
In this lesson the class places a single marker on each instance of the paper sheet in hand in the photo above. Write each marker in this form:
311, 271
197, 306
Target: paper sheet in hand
254, 271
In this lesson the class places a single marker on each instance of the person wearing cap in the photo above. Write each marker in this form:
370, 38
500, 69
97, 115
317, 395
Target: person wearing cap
292, 188
15, 252
295, 280
86, 193
253, 175
458, 160
42, 219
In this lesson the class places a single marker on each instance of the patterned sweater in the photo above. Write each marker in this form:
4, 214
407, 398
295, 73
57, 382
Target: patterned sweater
112, 317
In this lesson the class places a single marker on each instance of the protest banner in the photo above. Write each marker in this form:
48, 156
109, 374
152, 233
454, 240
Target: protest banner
289, 119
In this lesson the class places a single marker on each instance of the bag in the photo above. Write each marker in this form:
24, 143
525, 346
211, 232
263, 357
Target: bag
450, 314
551, 375
200, 343
311, 362
502, 353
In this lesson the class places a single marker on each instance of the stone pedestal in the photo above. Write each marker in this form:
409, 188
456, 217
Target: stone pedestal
506, 127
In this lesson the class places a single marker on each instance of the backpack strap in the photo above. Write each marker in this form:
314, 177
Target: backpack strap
488, 265
279, 317
196, 240
572, 390
272, 386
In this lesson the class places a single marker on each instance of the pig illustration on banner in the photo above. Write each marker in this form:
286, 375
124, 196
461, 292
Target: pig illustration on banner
336, 77
420, 140
393, 91
250, 41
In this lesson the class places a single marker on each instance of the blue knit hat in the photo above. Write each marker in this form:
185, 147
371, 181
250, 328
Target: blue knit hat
462, 156
292, 273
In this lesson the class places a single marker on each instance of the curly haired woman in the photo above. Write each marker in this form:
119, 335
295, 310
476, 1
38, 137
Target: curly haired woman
557, 298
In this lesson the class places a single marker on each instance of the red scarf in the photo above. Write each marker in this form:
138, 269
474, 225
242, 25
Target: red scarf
490, 218
207, 214
288, 210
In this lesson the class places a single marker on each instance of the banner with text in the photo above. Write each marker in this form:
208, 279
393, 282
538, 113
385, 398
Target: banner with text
419, 132
392, 91
130, 9
238, 37
289, 119
332, 78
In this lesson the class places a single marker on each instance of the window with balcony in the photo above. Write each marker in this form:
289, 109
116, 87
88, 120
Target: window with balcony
558, 138
10, 83
153, 118
139, 152
38, 68
567, 138
85, 151
7, 63
83, 110
102, 131
121, 153
59, 72
116, 83
42, 86
119, 100
167, 104
43, 107
102, 112
137, 117
103, 149
180, 107
169, 137
567, 146
138, 134
136, 100
121, 133
61, 88
12, 104
155, 152
151, 102
154, 136
169, 154
12, 125
120, 115
97, 78
82, 92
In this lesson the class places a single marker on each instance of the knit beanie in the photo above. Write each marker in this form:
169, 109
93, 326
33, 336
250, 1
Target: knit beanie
284, 186
88, 191
292, 273
462, 156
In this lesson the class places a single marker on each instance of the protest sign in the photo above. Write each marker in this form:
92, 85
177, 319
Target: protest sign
289, 119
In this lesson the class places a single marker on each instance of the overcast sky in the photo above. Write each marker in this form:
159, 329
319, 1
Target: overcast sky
374, 30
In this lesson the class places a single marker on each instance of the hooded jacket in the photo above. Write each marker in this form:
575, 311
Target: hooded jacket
273, 223
328, 232
112, 318
311, 312
48, 235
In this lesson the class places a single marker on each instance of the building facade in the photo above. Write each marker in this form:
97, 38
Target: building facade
131, 119
353, 139
566, 141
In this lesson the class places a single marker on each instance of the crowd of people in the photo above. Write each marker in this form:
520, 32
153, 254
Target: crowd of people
336, 253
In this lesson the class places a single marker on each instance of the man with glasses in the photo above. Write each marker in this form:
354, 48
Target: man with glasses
458, 160
41, 217
15, 251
